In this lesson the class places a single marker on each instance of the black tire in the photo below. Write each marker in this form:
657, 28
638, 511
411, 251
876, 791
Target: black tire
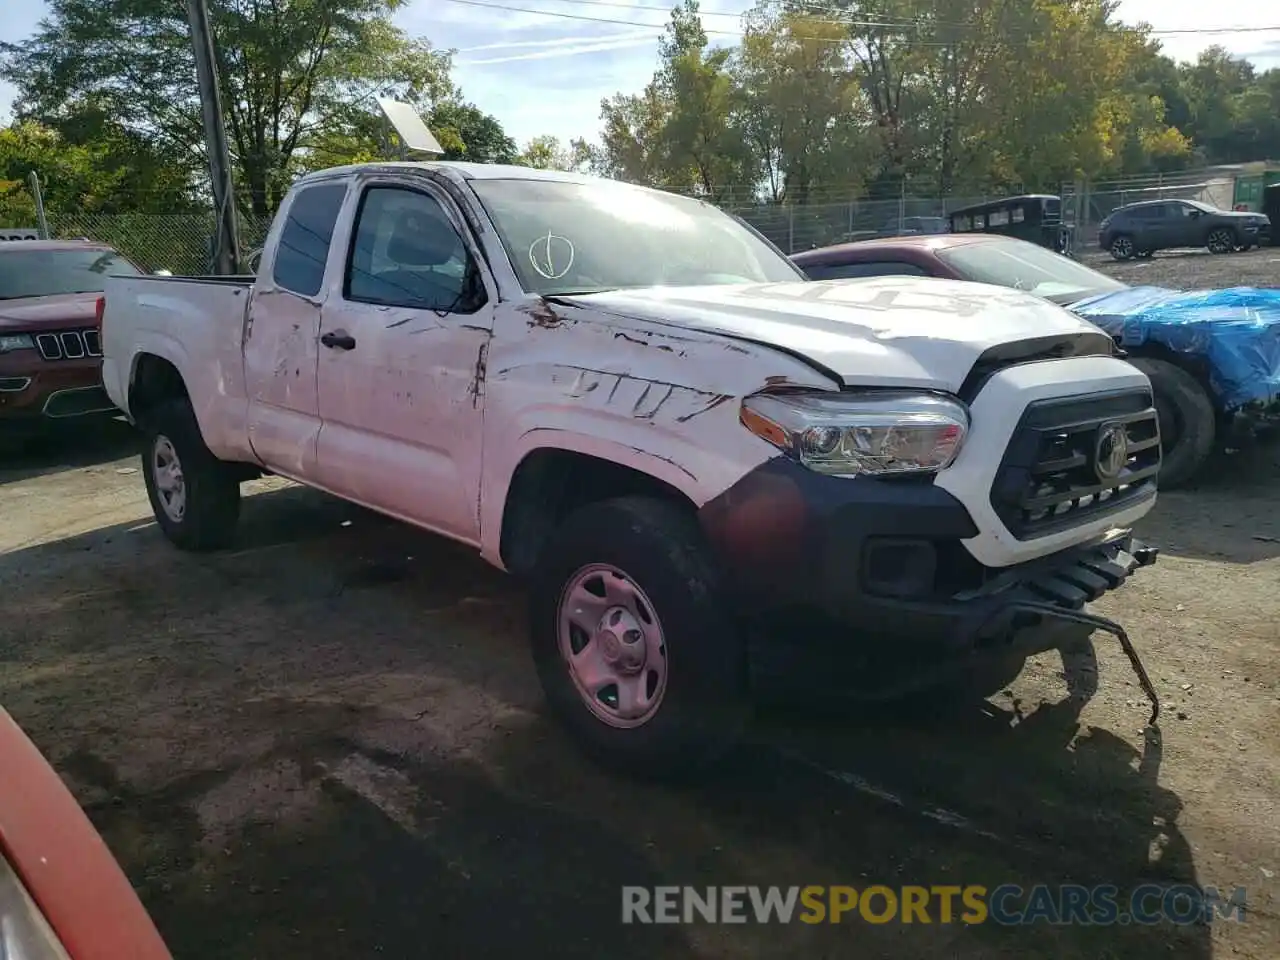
211, 487
660, 548
1122, 247
1221, 240
1186, 415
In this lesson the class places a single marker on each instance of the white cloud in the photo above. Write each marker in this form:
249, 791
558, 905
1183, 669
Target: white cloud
575, 50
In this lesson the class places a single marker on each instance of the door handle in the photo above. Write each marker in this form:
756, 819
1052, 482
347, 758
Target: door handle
338, 340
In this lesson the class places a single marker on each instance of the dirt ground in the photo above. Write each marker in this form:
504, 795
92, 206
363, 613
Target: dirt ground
1193, 269
327, 742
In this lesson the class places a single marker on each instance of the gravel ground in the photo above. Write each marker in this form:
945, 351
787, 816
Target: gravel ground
327, 742
1193, 269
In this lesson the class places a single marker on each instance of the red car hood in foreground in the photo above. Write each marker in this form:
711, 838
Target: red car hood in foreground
65, 309
63, 863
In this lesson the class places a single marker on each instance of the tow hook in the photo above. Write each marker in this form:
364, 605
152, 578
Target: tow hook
1108, 626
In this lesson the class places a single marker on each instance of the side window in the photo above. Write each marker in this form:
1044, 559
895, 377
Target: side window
1153, 212
1185, 210
406, 253
304, 242
850, 271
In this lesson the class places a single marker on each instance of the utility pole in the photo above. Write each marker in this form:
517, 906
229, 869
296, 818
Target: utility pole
38, 195
226, 251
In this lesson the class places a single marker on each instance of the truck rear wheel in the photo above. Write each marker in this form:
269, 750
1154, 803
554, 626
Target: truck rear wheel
195, 496
1187, 420
636, 653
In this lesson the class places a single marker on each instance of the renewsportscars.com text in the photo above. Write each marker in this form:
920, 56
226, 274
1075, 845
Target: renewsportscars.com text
1008, 904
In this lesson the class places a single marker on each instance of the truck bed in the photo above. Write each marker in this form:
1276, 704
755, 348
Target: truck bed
195, 324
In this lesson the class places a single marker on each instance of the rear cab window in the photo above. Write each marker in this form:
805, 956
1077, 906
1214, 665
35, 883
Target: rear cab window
304, 242
56, 272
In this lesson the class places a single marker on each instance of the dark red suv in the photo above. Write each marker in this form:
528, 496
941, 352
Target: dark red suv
50, 319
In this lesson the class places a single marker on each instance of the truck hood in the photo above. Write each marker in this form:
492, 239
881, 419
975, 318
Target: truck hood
882, 331
30, 314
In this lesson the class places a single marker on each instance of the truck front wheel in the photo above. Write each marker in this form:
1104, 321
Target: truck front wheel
1187, 420
636, 653
195, 496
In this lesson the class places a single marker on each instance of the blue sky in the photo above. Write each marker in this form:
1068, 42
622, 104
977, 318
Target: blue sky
540, 72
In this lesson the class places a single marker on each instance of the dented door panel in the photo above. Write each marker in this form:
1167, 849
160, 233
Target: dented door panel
402, 415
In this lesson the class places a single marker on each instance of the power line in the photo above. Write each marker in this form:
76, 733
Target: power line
903, 24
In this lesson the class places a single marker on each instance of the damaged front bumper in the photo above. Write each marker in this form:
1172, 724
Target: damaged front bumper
865, 591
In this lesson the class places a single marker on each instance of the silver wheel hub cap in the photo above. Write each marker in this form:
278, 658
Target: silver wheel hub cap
612, 646
171, 485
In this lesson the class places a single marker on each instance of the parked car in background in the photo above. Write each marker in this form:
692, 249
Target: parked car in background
913, 226
641, 407
62, 894
978, 257
1141, 229
1211, 389
50, 322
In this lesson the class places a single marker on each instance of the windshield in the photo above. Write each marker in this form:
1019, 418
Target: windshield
48, 273
587, 237
1024, 266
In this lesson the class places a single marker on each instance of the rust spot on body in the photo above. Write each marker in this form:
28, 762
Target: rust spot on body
476, 387
541, 315
715, 402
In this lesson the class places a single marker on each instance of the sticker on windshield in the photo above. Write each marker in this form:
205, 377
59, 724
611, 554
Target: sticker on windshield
551, 256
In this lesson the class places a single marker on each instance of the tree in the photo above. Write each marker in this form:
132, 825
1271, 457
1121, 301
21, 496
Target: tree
679, 132
292, 73
88, 177
468, 134
545, 152
799, 105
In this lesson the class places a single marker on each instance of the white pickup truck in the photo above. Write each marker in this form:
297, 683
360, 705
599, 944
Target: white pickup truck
722, 481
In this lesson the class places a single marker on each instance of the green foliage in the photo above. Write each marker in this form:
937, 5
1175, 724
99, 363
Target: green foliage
970, 95
547, 153
104, 171
299, 80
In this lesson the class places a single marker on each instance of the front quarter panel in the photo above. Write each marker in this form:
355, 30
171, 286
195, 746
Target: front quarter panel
647, 396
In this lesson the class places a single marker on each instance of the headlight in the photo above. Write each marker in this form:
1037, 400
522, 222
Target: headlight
16, 341
876, 434
24, 932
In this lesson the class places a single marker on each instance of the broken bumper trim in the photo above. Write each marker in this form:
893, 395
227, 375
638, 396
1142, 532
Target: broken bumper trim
1027, 610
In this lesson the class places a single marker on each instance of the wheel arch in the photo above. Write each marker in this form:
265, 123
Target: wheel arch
552, 479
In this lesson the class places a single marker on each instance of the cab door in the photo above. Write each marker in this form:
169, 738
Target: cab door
282, 328
403, 335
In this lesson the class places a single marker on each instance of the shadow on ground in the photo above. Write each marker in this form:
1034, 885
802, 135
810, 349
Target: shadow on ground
80, 445
527, 851
326, 742
1229, 514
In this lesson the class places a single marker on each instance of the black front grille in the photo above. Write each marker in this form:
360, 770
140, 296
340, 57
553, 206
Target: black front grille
1050, 478
69, 344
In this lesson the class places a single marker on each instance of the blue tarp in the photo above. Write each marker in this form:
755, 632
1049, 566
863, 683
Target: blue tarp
1237, 331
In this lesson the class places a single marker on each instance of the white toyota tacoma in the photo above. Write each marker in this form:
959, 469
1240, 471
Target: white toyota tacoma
722, 481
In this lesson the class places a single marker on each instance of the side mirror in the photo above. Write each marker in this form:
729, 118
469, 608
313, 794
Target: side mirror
1195, 214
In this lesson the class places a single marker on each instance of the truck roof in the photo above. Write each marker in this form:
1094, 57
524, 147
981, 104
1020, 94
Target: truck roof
467, 171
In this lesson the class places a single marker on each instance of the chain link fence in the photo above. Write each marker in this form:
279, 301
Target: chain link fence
795, 228
179, 243
182, 243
